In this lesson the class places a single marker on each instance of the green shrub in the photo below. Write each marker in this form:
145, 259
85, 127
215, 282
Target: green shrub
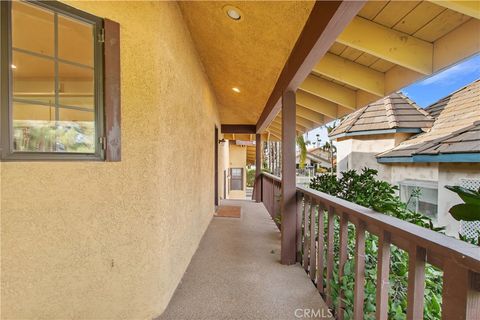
250, 177
366, 190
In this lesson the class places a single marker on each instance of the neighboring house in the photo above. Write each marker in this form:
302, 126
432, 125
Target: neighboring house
315, 159
377, 127
445, 150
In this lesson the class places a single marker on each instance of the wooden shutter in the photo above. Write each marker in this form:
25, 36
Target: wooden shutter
112, 91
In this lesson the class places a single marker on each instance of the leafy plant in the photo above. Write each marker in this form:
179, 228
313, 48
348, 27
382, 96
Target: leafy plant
365, 189
250, 177
303, 151
468, 211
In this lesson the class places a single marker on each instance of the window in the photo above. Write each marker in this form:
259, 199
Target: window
52, 82
420, 196
236, 178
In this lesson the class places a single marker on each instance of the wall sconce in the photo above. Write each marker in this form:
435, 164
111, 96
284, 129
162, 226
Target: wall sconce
221, 141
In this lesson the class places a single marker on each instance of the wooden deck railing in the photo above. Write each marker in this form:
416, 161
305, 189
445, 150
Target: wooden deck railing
459, 260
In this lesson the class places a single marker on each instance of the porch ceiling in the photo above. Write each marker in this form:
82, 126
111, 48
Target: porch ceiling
248, 54
387, 46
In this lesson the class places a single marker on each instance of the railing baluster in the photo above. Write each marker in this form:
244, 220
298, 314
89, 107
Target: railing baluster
460, 298
313, 245
416, 282
342, 261
383, 270
359, 292
274, 210
299, 226
330, 244
321, 249
305, 232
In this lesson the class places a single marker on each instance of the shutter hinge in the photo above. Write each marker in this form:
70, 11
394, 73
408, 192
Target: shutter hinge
103, 142
101, 36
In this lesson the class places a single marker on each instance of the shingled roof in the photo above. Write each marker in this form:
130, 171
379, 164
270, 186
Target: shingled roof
394, 112
456, 130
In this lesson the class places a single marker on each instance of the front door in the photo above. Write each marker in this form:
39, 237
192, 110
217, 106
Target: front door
236, 178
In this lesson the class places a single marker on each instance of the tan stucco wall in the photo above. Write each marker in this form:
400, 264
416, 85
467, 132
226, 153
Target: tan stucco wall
450, 174
94, 240
238, 159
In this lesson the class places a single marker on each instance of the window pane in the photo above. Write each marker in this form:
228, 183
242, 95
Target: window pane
32, 28
76, 131
75, 41
33, 128
33, 78
76, 86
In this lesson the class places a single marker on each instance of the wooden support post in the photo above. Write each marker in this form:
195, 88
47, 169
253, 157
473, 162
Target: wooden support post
321, 248
359, 290
289, 191
342, 261
330, 252
313, 242
461, 300
299, 226
258, 167
416, 282
383, 269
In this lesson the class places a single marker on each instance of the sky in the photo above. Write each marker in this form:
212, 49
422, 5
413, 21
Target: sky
429, 90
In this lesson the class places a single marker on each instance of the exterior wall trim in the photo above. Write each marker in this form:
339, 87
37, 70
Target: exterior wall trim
453, 157
373, 132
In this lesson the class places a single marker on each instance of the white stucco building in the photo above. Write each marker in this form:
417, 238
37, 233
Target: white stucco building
415, 148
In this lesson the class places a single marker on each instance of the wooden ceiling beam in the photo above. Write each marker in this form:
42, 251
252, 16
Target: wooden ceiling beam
325, 23
316, 104
238, 128
330, 91
274, 136
457, 45
388, 44
310, 115
306, 123
469, 8
351, 73
276, 124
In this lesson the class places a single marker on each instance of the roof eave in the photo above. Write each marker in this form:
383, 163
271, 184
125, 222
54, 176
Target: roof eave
436, 158
374, 132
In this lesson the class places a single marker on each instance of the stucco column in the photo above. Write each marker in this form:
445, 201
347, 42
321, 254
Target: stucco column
289, 201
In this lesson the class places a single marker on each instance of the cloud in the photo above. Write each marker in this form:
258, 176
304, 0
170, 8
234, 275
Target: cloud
451, 74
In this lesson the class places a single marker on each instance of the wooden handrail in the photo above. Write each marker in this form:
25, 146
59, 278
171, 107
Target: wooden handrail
403, 233
460, 261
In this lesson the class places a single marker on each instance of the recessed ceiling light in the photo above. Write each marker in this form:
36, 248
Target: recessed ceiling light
233, 13
236, 89
14, 66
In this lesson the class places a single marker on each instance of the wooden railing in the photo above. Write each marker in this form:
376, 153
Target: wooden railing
459, 260
271, 194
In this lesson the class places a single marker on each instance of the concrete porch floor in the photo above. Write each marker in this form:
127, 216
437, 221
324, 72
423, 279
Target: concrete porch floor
236, 274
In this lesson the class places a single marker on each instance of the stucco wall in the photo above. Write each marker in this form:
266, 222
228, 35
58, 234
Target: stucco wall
450, 174
358, 152
112, 240
417, 171
238, 159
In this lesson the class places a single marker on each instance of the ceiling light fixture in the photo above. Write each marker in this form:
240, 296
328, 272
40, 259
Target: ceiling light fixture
233, 13
14, 66
236, 89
